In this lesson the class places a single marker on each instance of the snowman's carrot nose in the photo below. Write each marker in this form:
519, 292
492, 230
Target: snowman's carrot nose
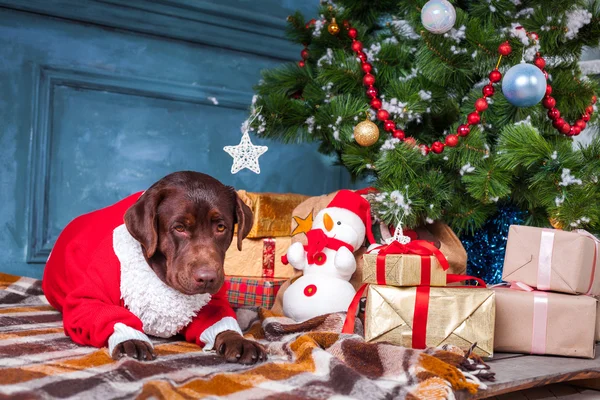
328, 222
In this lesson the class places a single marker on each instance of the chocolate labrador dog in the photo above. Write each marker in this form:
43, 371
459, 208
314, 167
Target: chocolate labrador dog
153, 264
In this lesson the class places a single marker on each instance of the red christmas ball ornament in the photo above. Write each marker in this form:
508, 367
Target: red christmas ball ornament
548, 90
548, 102
545, 74
301, 64
361, 56
594, 99
424, 149
553, 114
585, 117
437, 147
580, 123
565, 128
375, 103
398, 134
481, 104
451, 140
505, 49
575, 130
463, 130
356, 46
366, 67
382, 115
352, 33
558, 122
368, 80
389, 125
304, 54
372, 92
589, 110
410, 141
540, 62
473, 118
495, 76
346, 23
488, 91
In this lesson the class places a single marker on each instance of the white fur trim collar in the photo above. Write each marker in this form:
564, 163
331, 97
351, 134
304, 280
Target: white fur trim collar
163, 310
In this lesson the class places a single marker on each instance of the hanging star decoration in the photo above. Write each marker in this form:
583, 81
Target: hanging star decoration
245, 154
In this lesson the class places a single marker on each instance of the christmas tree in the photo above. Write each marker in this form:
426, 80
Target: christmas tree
458, 135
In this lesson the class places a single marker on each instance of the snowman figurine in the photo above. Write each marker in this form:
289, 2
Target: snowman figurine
327, 261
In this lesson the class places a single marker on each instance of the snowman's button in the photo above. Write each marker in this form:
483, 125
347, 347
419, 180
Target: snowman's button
310, 290
320, 258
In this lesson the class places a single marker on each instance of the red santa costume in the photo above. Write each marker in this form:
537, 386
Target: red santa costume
98, 278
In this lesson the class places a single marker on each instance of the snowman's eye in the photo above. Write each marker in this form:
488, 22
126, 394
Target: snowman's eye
339, 222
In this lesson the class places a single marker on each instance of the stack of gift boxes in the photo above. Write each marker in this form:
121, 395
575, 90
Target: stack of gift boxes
549, 307
254, 275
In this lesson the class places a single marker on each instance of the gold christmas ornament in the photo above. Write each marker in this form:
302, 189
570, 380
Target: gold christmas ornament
333, 27
366, 133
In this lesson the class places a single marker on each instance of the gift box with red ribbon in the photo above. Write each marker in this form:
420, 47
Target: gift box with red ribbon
413, 264
252, 292
536, 322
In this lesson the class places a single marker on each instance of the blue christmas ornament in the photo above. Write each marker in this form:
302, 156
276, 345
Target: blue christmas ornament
524, 85
486, 247
438, 16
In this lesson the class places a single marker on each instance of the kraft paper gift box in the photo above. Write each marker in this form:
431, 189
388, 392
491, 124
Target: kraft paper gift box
545, 323
550, 259
458, 316
259, 258
388, 266
243, 291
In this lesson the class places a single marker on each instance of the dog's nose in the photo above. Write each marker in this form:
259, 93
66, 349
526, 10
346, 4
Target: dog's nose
205, 276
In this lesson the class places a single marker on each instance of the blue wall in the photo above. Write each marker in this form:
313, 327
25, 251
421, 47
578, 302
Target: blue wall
100, 98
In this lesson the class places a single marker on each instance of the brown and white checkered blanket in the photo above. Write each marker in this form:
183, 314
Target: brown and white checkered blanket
308, 360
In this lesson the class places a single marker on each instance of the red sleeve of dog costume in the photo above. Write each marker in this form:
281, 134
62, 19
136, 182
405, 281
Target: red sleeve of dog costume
215, 312
93, 306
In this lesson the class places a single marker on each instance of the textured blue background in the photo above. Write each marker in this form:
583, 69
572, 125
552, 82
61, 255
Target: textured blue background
100, 98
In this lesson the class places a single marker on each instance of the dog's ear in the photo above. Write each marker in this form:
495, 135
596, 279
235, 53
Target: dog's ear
141, 220
244, 219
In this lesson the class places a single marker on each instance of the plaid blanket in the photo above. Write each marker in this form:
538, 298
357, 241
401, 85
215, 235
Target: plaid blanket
308, 360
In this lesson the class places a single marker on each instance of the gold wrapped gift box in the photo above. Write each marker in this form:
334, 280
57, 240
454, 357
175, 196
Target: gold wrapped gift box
259, 258
458, 316
402, 270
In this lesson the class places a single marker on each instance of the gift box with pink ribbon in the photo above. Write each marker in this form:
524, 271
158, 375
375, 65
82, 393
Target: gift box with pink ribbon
537, 322
553, 260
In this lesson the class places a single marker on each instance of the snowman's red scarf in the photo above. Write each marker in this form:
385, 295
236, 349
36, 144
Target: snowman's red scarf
317, 242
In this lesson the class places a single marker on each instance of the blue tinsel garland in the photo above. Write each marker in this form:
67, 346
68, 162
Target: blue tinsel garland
486, 247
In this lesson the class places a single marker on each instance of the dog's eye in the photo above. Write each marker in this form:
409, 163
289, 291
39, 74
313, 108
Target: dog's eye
179, 228
220, 227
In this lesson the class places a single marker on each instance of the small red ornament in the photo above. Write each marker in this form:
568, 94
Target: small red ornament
534, 36
473, 118
575, 130
580, 123
389, 125
410, 141
548, 102
346, 23
565, 128
545, 74
540, 62
558, 122
594, 99
488, 91
310, 290
495, 76
548, 90
504, 49
368, 80
376, 103
553, 114
398, 134
382, 115
424, 149
304, 54
366, 67
451, 140
481, 104
356, 46
463, 130
312, 21
585, 117
301, 64
361, 56
589, 110
372, 92
352, 33
437, 147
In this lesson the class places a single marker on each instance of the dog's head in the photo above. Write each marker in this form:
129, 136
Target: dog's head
185, 224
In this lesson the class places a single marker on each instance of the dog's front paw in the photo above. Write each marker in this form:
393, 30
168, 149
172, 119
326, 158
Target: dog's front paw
137, 349
235, 348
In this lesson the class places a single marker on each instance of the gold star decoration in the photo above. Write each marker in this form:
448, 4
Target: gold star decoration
304, 224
